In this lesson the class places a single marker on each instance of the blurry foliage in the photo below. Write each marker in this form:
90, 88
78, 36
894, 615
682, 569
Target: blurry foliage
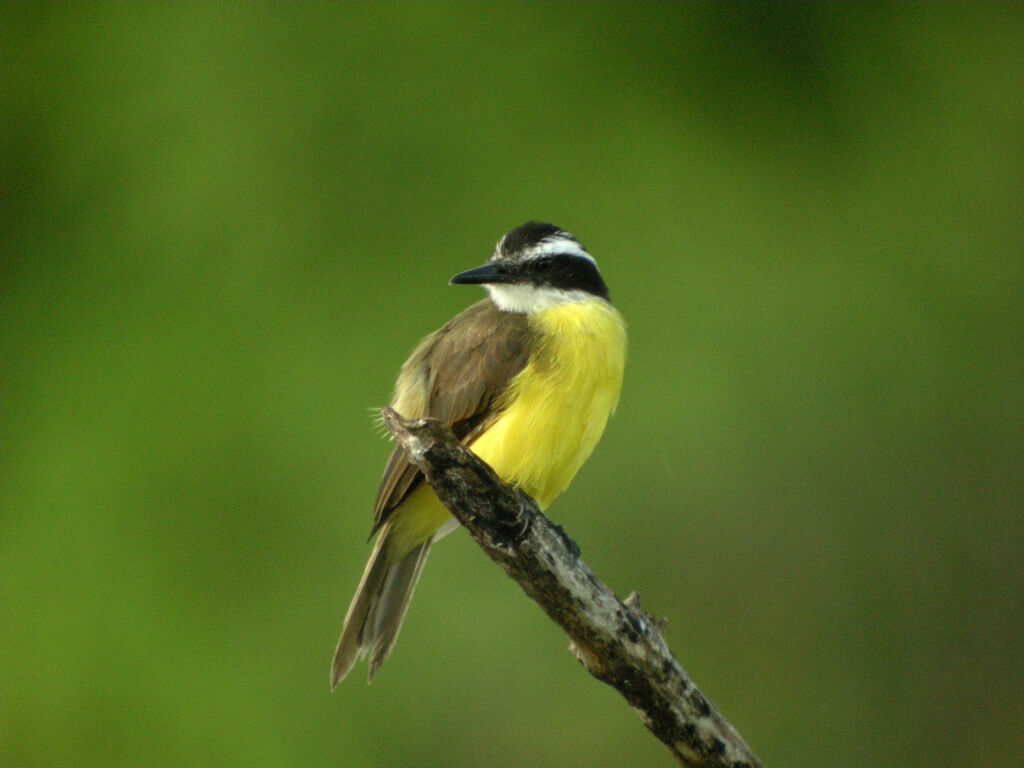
225, 225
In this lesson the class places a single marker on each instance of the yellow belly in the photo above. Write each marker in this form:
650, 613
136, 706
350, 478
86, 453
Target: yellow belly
555, 411
558, 405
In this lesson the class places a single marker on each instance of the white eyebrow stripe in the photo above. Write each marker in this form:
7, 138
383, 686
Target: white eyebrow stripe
559, 244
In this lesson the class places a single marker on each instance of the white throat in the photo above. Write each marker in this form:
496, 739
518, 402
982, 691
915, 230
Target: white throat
526, 299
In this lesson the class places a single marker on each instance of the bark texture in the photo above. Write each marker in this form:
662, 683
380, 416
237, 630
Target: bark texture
614, 639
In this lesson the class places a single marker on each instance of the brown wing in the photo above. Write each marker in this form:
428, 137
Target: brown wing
459, 371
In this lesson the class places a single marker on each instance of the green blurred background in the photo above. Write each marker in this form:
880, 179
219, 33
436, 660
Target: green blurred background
226, 225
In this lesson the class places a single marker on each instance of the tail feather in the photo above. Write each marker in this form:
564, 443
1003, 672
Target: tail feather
376, 612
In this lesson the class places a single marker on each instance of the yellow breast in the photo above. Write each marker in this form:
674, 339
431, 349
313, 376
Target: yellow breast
557, 407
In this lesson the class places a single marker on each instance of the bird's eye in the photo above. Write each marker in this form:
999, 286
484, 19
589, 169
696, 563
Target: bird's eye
543, 266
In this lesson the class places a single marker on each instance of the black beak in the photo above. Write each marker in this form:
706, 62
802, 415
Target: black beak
488, 273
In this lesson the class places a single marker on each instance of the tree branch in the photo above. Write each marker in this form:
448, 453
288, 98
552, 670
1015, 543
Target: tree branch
615, 640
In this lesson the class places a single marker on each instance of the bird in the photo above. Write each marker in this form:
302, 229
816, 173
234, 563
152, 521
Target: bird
527, 378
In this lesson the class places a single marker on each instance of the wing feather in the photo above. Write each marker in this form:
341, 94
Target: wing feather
455, 375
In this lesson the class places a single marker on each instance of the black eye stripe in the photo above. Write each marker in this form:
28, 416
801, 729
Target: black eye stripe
568, 272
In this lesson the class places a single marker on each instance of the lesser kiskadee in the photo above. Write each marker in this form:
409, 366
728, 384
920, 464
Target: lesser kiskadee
527, 378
